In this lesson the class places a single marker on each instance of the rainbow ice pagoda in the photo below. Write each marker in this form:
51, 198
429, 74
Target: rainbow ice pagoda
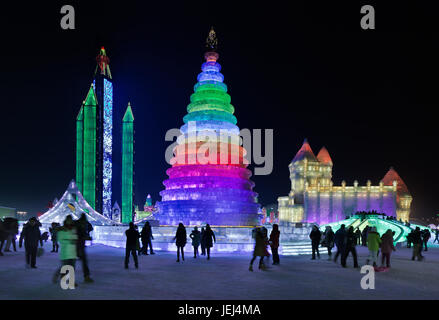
209, 180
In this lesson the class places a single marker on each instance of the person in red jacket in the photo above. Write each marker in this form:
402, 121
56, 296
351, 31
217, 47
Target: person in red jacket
274, 243
387, 247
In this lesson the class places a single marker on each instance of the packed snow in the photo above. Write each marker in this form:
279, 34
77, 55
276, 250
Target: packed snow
225, 276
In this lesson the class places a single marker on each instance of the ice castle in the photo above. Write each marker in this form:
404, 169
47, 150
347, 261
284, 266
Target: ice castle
313, 197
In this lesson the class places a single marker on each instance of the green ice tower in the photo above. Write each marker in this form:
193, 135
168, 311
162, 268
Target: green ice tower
127, 165
86, 148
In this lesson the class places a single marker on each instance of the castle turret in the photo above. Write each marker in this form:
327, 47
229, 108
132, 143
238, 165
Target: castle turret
403, 196
325, 167
304, 168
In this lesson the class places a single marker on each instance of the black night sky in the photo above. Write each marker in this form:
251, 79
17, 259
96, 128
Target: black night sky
306, 70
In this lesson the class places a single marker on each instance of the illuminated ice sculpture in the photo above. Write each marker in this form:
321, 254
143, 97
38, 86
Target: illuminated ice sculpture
209, 180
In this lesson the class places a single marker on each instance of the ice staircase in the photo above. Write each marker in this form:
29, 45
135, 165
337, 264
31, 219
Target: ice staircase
298, 248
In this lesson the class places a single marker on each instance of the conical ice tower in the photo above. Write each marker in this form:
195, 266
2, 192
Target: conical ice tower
209, 180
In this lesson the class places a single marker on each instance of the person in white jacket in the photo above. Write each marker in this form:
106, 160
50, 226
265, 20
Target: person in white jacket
67, 239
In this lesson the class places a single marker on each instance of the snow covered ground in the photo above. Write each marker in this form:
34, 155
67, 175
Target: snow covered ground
225, 276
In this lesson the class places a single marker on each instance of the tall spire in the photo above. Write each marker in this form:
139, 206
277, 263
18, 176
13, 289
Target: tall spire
103, 63
212, 41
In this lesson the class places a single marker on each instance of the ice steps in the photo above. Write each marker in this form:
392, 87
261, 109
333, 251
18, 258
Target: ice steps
298, 248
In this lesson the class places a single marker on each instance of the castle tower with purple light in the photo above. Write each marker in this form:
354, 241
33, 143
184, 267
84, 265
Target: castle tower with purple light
209, 180
313, 197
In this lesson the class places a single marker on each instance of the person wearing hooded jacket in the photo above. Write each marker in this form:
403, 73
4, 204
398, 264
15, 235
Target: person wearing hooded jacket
373, 244
31, 235
387, 247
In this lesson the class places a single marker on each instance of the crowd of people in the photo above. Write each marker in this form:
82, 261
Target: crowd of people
347, 240
69, 240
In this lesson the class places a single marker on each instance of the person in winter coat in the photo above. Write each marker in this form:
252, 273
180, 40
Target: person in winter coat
387, 247
202, 242
410, 239
31, 235
209, 239
196, 238
328, 240
147, 237
340, 241
364, 236
3, 236
67, 238
435, 239
180, 240
11, 225
417, 244
350, 248
426, 235
358, 236
259, 251
131, 245
274, 243
53, 234
83, 229
315, 237
373, 244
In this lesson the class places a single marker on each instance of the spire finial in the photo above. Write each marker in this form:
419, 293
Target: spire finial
212, 41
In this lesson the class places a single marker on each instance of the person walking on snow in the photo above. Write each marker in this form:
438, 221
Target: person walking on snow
373, 244
387, 247
83, 229
417, 244
315, 237
147, 237
340, 241
437, 236
131, 245
328, 240
209, 239
180, 240
53, 234
425, 237
259, 251
195, 236
67, 238
274, 243
350, 248
202, 242
31, 235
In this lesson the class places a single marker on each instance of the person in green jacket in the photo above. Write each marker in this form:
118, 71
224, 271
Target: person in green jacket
67, 238
373, 244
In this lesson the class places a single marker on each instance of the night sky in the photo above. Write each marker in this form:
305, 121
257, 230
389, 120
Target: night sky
304, 71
